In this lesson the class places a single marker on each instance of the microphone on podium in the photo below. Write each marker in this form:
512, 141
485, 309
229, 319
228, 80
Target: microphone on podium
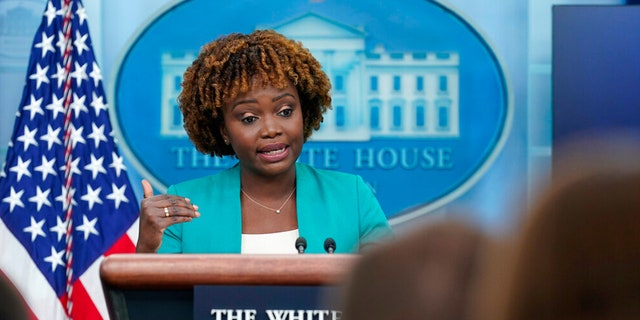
329, 245
301, 244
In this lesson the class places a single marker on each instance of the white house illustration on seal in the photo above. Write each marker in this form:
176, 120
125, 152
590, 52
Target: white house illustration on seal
376, 94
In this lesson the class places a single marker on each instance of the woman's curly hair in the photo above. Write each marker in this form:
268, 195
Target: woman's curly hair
227, 67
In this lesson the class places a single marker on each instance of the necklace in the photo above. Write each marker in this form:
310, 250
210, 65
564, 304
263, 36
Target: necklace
262, 205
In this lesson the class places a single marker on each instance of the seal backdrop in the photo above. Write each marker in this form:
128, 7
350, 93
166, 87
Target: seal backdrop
421, 103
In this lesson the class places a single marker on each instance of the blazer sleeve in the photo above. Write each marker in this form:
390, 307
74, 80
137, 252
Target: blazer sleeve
374, 226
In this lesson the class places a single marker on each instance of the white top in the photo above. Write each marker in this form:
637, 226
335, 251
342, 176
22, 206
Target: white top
270, 243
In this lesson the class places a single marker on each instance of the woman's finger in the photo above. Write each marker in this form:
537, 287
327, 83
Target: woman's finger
147, 189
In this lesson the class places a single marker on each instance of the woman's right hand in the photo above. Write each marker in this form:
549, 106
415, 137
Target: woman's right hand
159, 212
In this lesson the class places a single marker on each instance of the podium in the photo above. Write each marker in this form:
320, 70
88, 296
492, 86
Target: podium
161, 286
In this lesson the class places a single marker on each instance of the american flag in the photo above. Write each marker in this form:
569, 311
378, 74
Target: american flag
65, 198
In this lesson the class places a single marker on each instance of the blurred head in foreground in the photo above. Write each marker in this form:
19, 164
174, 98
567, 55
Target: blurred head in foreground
424, 274
12, 305
577, 255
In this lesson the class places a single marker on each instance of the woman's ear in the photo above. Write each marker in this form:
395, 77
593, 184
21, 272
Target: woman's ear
225, 135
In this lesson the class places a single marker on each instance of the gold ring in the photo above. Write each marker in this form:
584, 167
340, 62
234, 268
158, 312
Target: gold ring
166, 212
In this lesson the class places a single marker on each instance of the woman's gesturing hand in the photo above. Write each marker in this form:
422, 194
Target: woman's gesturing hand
159, 212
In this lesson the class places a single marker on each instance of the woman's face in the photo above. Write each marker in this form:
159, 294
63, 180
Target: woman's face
264, 127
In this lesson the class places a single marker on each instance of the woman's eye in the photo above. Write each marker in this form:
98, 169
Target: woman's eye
248, 119
286, 112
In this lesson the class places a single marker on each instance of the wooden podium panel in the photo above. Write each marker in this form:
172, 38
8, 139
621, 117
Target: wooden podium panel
160, 286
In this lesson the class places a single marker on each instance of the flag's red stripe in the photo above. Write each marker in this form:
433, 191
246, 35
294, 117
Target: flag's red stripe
123, 245
83, 307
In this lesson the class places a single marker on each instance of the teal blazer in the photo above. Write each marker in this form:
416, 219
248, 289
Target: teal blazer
329, 204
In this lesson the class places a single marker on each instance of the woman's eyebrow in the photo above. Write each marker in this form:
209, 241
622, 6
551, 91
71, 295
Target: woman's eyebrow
276, 98
237, 103
284, 94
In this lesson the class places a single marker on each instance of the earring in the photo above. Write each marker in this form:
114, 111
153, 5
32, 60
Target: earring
226, 141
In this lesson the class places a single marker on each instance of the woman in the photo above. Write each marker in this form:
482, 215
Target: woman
258, 97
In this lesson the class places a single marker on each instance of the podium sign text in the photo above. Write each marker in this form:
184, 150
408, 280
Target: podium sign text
240, 302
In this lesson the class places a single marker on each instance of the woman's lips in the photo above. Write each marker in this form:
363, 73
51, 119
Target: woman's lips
274, 152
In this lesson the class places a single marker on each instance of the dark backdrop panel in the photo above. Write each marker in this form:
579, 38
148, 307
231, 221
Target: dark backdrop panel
596, 69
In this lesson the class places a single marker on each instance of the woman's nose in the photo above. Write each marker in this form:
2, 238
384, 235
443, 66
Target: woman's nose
271, 127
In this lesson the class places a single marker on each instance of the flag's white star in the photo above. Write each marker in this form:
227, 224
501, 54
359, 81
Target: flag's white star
95, 74
92, 196
46, 167
63, 197
117, 194
60, 11
55, 259
40, 76
98, 104
73, 167
46, 44
2, 173
60, 228
95, 166
21, 168
35, 229
81, 13
117, 163
80, 73
79, 43
41, 198
76, 136
61, 74
88, 227
50, 13
51, 137
34, 107
28, 137
14, 199
97, 134
62, 43
55, 106
78, 105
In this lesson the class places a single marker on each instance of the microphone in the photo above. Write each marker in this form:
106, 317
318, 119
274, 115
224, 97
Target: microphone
329, 245
301, 244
